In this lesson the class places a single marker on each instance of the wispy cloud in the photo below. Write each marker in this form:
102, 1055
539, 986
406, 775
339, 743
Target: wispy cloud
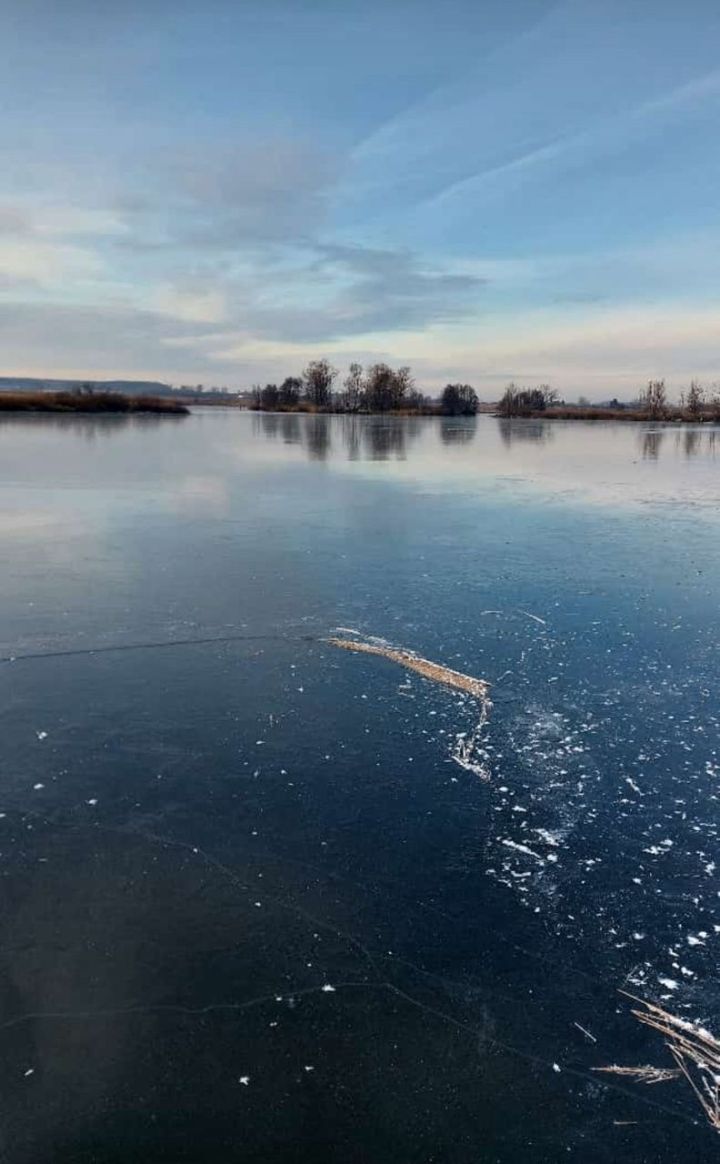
602, 138
244, 194
29, 260
350, 290
567, 87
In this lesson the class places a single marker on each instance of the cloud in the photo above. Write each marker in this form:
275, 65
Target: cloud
47, 339
190, 306
232, 257
350, 290
53, 248
604, 136
249, 194
564, 92
58, 220
663, 268
30, 260
319, 293
231, 237
78, 221
13, 221
602, 350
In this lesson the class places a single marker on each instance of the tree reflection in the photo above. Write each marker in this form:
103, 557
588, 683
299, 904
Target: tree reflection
519, 431
267, 423
388, 436
317, 436
458, 430
692, 442
290, 428
374, 438
352, 427
651, 441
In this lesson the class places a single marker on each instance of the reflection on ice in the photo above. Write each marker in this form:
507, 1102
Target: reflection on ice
377, 438
525, 431
609, 463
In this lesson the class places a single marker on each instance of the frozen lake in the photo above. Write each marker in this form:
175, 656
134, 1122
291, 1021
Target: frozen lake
252, 907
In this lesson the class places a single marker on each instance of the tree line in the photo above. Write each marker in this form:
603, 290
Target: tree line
378, 388
526, 401
696, 403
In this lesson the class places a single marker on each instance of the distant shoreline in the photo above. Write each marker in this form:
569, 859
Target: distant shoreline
89, 403
559, 412
94, 403
304, 409
672, 414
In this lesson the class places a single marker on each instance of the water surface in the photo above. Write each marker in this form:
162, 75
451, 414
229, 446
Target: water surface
252, 909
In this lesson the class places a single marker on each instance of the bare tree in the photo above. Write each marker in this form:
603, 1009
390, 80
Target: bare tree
354, 389
654, 400
379, 392
387, 390
403, 386
526, 401
289, 392
695, 399
270, 397
318, 378
549, 395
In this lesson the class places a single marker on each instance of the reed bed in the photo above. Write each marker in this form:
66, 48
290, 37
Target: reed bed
88, 402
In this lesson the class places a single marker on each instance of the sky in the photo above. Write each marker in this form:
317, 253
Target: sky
486, 190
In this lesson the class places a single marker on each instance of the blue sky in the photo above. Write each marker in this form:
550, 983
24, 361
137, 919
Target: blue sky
219, 192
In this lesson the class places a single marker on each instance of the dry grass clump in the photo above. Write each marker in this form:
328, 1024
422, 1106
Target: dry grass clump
478, 688
466, 751
696, 1053
643, 1074
710, 412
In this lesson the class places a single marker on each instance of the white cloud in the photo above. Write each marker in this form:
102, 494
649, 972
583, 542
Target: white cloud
600, 350
189, 306
30, 259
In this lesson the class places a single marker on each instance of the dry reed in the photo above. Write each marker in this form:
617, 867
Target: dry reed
696, 1053
643, 1074
465, 749
478, 688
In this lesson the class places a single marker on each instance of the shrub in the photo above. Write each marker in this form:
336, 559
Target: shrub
458, 400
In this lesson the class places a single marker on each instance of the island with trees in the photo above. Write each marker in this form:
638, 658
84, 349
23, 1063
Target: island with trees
377, 389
